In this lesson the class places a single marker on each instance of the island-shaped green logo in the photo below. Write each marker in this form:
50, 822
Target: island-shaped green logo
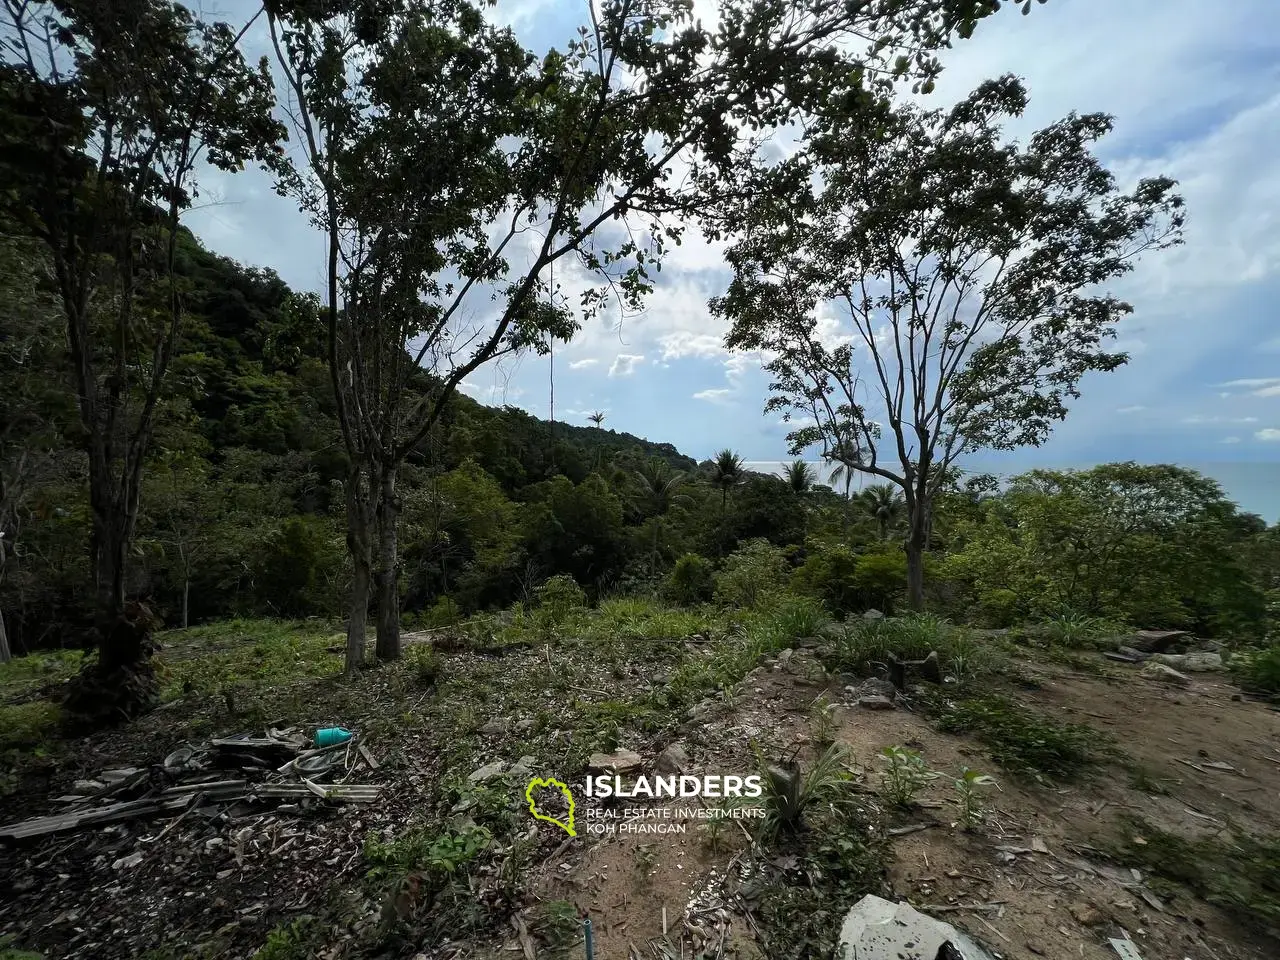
538, 783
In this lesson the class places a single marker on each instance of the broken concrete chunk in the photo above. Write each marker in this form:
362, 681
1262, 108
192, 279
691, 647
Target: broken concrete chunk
876, 929
620, 761
1158, 671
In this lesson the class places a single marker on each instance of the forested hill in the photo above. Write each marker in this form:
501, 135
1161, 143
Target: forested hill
243, 509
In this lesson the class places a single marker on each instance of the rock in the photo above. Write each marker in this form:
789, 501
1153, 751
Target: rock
124, 863
620, 761
802, 664
488, 772
494, 726
1133, 652
1156, 641
875, 703
1086, 914
873, 687
524, 726
1195, 662
873, 614
522, 768
673, 760
1165, 674
876, 929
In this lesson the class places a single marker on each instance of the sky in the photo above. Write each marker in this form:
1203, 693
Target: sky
1195, 92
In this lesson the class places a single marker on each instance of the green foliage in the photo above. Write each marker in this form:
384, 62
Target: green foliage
881, 578
1024, 741
441, 852
1258, 671
691, 580
970, 797
905, 776
26, 725
750, 574
289, 941
1235, 871
792, 795
293, 565
1069, 629
830, 573
426, 663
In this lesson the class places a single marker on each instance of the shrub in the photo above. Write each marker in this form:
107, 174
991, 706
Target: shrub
293, 563
752, 572
830, 575
1023, 740
881, 579
691, 581
1258, 671
556, 599
998, 608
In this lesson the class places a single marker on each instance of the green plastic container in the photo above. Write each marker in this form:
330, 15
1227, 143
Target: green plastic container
328, 736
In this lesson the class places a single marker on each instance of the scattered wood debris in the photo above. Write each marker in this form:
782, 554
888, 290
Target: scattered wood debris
277, 767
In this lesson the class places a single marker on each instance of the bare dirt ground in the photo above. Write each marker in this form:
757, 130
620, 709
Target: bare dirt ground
1045, 875
1033, 880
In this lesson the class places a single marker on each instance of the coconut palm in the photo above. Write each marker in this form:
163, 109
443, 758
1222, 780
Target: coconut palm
597, 418
884, 502
658, 489
799, 477
728, 470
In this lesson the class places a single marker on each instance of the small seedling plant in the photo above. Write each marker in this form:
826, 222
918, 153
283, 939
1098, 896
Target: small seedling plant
968, 789
906, 776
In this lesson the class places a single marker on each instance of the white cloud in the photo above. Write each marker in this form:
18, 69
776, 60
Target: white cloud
583, 363
1251, 383
1203, 420
624, 364
1271, 391
714, 395
1229, 440
1136, 408
1268, 435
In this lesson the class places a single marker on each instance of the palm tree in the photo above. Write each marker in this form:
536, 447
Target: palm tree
728, 470
658, 489
597, 418
885, 503
799, 476
845, 457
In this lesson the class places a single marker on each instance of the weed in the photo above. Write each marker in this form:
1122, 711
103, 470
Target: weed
795, 618
24, 725
971, 801
790, 794
556, 924
9, 952
425, 664
906, 775
289, 941
423, 848
1258, 671
822, 720
1071, 629
646, 859
1022, 740
1239, 873
1141, 780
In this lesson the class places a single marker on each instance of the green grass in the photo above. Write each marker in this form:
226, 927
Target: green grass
24, 677
1239, 873
863, 645
1024, 741
1258, 671
24, 725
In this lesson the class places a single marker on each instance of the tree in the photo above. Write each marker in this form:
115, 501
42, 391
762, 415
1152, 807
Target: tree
884, 503
800, 477
658, 489
967, 273
108, 109
596, 418
437, 149
727, 471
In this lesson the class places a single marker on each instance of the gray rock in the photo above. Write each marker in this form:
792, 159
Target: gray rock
1165, 674
1132, 652
494, 727
673, 760
1156, 641
522, 768
874, 687
873, 614
876, 929
875, 703
620, 761
1195, 662
488, 772
524, 726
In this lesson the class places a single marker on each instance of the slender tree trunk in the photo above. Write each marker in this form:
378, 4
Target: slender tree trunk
5, 653
388, 578
917, 540
359, 545
186, 601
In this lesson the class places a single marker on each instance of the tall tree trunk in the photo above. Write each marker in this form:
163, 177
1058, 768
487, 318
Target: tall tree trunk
186, 600
388, 578
5, 653
917, 541
360, 546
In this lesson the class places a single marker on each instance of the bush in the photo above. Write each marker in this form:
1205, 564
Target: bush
293, 564
830, 575
1023, 740
691, 581
445, 612
557, 599
1258, 671
751, 573
998, 608
881, 578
